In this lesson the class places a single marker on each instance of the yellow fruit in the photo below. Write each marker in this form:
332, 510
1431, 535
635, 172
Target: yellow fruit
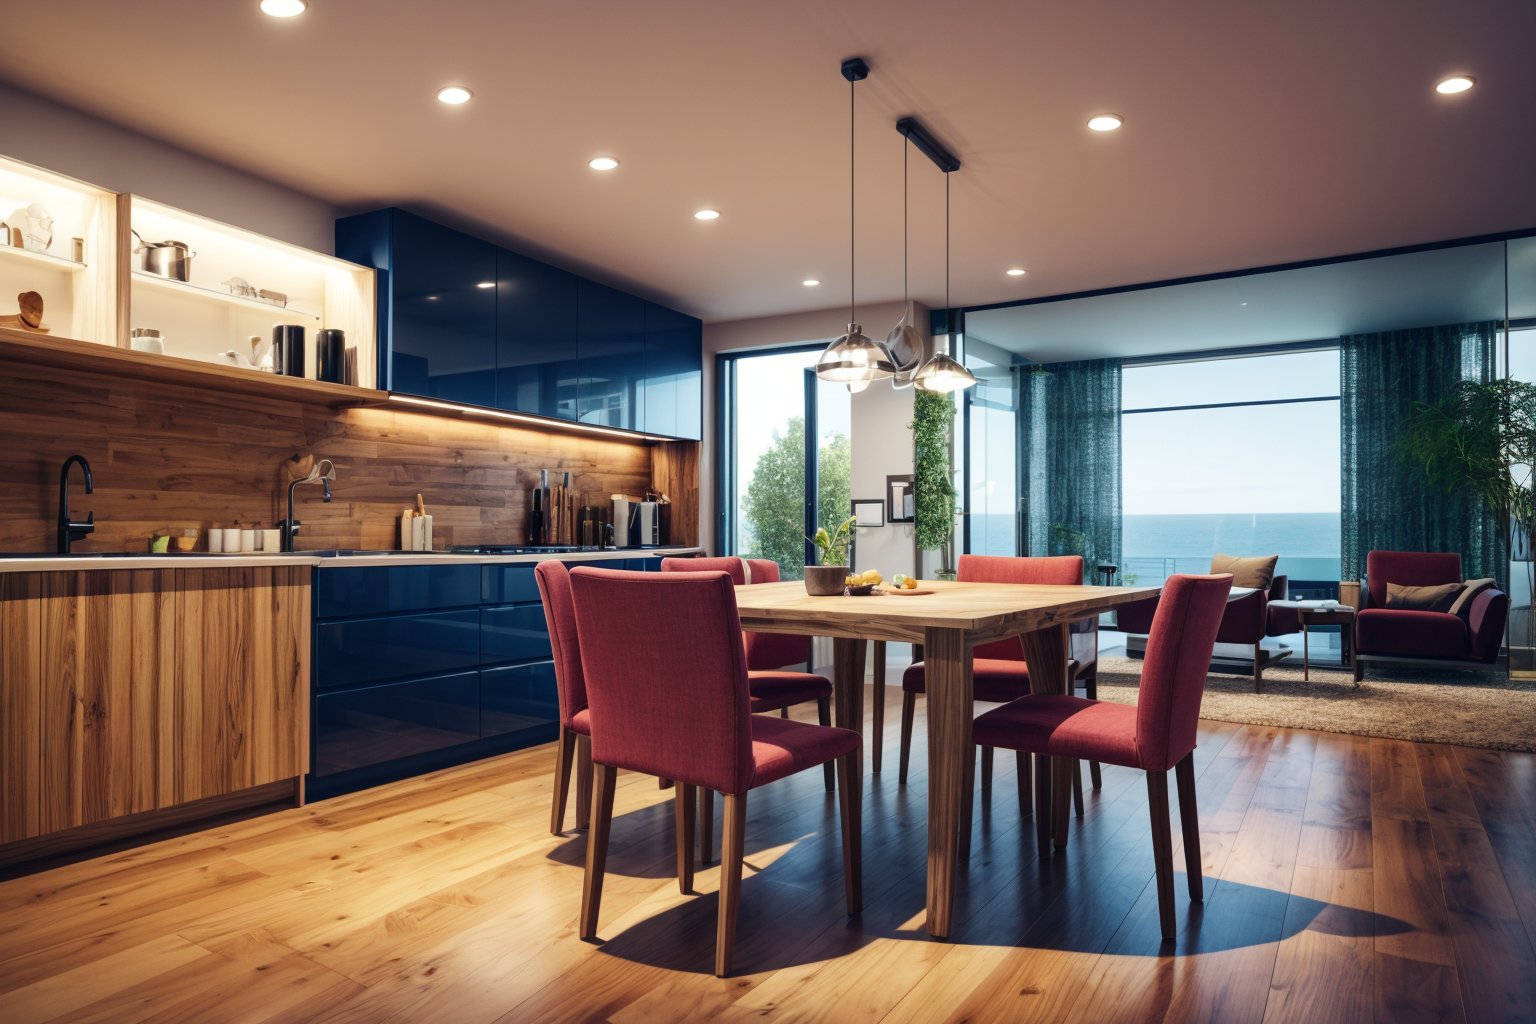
852, 581
872, 576
910, 583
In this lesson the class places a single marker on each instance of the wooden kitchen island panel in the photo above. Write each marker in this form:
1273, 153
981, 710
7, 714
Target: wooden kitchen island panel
129, 692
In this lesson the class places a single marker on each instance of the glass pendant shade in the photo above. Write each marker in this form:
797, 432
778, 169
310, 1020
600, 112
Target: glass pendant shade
943, 374
857, 386
854, 357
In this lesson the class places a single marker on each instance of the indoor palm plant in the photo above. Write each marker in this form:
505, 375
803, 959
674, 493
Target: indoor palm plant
826, 577
1480, 441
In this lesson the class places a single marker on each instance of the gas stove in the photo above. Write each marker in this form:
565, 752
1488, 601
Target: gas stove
516, 549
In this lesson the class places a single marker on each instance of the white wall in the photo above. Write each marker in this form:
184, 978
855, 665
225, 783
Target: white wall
43, 133
881, 441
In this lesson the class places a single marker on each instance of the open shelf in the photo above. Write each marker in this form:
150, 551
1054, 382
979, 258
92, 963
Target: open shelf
200, 292
86, 357
47, 259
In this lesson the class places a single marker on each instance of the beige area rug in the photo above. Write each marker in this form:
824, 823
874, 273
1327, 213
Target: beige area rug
1470, 709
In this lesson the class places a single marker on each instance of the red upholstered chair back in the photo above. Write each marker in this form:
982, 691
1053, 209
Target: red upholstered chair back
554, 582
1173, 674
1409, 569
764, 650
1064, 570
666, 675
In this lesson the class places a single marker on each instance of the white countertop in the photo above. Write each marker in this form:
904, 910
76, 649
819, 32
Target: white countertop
205, 560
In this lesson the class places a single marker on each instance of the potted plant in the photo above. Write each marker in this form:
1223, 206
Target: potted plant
933, 418
827, 576
1480, 441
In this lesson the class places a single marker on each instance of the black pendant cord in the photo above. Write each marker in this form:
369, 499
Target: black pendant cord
852, 209
906, 216
948, 310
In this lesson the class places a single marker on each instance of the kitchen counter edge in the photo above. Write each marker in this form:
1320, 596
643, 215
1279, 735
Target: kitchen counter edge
77, 563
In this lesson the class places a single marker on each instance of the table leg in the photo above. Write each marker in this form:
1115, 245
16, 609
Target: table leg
848, 683
950, 747
1046, 650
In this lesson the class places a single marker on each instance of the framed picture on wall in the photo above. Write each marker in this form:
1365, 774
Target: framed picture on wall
868, 512
901, 505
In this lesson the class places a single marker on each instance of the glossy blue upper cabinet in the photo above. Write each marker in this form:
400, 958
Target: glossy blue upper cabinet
536, 364
671, 391
444, 330
611, 344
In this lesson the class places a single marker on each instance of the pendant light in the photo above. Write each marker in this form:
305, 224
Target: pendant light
854, 358
943, 373
904, 338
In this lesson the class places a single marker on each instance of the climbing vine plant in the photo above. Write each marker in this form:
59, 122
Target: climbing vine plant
933, 420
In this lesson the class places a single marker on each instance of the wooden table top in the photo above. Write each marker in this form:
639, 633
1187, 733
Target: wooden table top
984, 611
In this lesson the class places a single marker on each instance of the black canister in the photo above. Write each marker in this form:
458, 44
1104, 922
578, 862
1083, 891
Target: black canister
288, 349
331, 356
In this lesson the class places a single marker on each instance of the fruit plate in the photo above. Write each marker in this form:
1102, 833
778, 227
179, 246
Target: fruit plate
909, 593
861, 591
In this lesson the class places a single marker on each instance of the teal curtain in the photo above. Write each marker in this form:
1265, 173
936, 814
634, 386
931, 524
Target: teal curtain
1383, 503
1071, 444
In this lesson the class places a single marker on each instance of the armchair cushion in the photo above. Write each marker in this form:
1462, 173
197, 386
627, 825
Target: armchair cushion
1462, 606
1437, 598
1411, 634
1257, 573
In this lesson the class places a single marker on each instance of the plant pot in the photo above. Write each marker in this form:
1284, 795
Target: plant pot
825, 580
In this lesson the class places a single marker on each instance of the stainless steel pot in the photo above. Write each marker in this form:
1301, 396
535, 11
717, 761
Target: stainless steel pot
172, 260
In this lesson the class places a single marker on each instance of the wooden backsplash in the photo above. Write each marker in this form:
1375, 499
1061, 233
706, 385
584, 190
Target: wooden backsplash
173, 456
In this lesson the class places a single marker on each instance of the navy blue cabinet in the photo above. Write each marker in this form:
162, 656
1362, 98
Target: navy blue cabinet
465, 321
672, 380
611, 342
537, 370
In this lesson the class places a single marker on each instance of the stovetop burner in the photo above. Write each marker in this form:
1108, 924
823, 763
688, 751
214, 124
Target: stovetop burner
516, 549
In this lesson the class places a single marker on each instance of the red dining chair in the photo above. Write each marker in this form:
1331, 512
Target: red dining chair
669, 697
1155, 735
574, 743
999, 672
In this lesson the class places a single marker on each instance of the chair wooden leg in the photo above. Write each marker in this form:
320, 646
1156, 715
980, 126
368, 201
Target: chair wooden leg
1258, 667
1043, 814
683, 813
583, 781
1091, 691
565, 757
908, 712
986, 772
784, 712
824, 716
1024, 784
1189, 817
597, 848
706, 825
967, 807
1162, 850
1077, 787
877, 741
731, 847
850, 803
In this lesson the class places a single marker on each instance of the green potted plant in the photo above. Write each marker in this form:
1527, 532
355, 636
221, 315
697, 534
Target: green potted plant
1480, 442
933, 418
827, 576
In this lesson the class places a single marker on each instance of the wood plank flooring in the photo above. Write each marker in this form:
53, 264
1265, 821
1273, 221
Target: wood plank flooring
1347, 879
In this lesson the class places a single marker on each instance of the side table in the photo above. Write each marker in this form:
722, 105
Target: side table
1339, 615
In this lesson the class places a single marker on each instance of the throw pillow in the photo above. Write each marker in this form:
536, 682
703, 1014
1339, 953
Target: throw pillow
1463, 604
1257, 573
1422, 599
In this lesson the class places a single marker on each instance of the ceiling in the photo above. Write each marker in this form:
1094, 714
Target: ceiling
1440, 286
1255, 133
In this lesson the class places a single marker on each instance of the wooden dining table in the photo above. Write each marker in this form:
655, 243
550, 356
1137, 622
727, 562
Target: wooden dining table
950, 623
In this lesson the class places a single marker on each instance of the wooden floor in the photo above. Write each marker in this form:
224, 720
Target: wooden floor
1347, 880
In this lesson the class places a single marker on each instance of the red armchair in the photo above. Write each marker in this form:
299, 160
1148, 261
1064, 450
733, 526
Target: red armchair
1472, 634
1245, 621
669, 697
1155, 735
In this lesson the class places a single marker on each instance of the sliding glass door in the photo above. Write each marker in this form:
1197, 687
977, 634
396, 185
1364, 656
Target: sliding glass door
784, 455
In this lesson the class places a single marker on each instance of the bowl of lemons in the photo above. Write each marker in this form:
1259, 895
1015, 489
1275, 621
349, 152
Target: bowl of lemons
862, 584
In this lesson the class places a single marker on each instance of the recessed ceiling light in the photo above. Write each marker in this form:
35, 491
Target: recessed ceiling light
1016, 271
453, 95
283, 8
486, 284
1105, 122
810, 282
1455, 84
602, 163
707, 215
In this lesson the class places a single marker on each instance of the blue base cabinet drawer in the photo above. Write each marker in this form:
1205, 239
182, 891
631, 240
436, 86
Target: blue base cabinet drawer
518, 697
395, 646
374, 590
513, 633
508, 584
375, 724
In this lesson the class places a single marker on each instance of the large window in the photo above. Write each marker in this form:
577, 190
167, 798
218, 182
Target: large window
1238, 455
771, 476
